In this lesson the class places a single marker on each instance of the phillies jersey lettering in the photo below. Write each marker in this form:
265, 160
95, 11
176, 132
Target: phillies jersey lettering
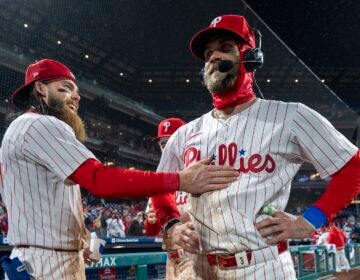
181, 199
228, 155
266, 143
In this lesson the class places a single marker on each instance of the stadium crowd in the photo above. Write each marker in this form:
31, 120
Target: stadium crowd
114, 218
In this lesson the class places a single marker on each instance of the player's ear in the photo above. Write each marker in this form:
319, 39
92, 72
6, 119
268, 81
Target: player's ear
40, 88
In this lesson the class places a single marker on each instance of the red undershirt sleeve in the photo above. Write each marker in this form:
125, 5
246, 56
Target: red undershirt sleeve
165, 207
116, 182
343, 188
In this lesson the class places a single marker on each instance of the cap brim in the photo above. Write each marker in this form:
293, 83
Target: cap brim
20, 97
159, 137
200, 39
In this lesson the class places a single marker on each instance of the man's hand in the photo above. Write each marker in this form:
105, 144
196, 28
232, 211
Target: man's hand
283, 226
87, 259
200, 177
185, 236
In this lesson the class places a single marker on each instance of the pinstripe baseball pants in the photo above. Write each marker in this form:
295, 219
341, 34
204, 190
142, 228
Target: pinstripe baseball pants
44, 264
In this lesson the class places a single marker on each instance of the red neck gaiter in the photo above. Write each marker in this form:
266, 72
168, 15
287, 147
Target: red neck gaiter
241, 92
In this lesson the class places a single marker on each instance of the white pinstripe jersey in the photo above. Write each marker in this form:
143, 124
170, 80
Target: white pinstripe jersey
267, 143
38, 154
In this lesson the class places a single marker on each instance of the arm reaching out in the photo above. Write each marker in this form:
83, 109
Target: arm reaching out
118, 182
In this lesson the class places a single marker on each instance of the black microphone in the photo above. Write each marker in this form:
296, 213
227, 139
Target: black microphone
225, 65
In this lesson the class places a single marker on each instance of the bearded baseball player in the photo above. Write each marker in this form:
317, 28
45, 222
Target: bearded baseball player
43, 163
266, 141
178, 263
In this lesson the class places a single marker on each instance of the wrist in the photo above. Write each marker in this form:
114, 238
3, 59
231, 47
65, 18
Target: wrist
169, 226
168, 244
314, 216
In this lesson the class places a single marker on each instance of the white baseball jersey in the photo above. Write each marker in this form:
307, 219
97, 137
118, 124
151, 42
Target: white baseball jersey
266, 143
38, 154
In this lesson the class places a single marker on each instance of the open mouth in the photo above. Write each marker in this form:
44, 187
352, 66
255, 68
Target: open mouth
73, 107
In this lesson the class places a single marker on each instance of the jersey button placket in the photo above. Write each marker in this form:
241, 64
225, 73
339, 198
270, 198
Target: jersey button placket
215, 215
219, 217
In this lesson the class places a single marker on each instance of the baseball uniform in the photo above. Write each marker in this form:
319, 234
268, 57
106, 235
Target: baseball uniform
179, 264
45, 211
266, 143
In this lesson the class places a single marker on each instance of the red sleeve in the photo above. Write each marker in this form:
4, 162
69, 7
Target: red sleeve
343, 188
152, 229
165, 207
116, 182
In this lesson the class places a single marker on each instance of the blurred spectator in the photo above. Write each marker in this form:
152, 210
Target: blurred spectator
3, 220
88, 218
127, 222
100, 231
115, 226
137, 225
337, 237
151, 224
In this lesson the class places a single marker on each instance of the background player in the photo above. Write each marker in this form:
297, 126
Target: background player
266, 141
43, 160
165, 129
178, 263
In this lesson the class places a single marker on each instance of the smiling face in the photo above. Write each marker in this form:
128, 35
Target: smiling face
64, 92
222, 47
61, 99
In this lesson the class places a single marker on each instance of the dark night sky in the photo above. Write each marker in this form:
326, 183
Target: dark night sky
324, 34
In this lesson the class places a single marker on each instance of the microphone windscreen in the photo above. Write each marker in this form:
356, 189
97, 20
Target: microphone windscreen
225, 65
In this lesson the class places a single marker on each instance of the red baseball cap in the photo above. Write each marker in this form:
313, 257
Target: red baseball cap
41, 70
232, 24
168, 126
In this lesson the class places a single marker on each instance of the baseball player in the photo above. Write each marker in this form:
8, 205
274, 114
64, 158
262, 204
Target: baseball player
165, 129
43, 163
266, 141
178, 263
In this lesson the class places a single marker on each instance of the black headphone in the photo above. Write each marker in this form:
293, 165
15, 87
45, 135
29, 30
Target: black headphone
253, 57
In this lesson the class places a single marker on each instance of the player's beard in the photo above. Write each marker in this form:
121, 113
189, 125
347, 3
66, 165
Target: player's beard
59, 110
218, 82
